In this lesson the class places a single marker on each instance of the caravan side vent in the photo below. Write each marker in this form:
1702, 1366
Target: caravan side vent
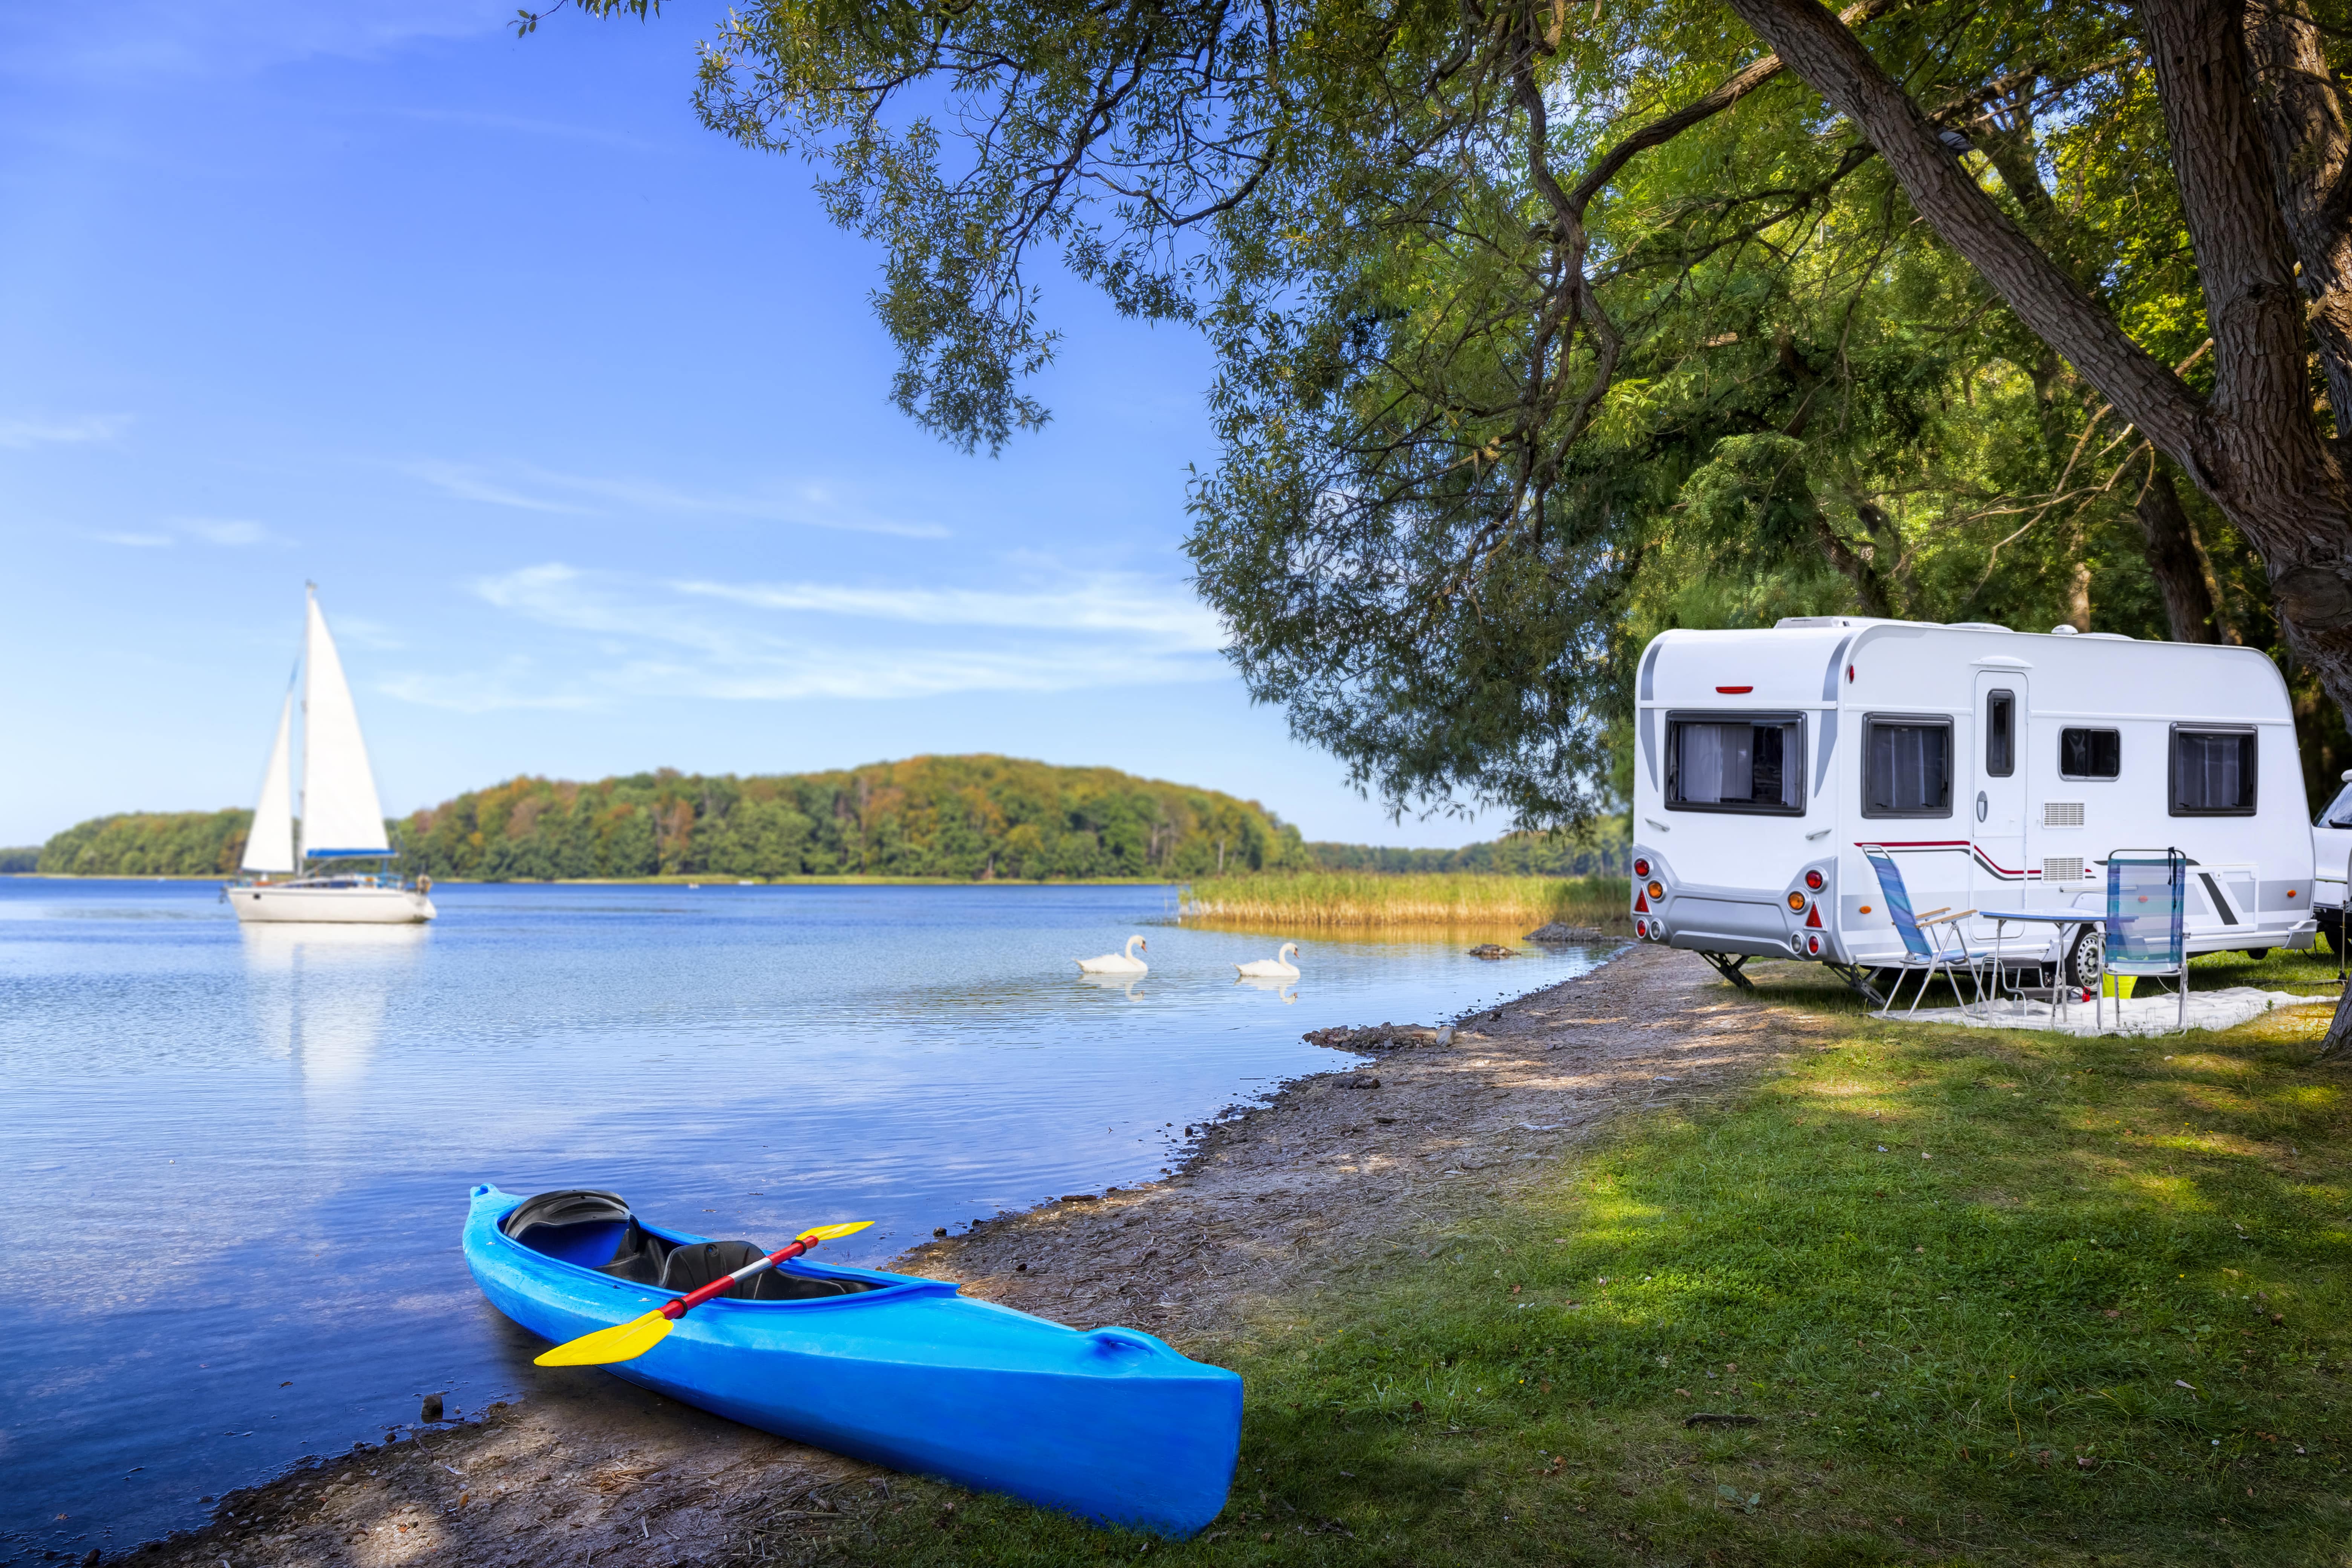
2062, 814
2062, 869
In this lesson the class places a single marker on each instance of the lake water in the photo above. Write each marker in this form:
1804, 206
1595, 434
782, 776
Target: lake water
238, 1157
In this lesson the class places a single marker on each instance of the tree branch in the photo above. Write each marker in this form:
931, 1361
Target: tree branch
1820, 49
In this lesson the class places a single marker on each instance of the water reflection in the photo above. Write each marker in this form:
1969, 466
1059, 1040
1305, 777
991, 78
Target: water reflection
1125, 984
1287, 989
319, 993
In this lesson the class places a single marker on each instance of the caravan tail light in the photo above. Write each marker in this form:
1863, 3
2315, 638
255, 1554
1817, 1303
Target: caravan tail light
1813, 945
1641, 868
1642, 929
1797, 901
1657, 890
1813, 880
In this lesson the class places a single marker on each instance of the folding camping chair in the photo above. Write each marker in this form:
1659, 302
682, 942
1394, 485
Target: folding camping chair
2147, 900
1947, 952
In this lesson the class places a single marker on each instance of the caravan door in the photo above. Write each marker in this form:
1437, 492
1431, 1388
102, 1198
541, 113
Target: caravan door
1996, 811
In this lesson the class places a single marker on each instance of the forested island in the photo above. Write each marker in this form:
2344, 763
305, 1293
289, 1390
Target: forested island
972, 818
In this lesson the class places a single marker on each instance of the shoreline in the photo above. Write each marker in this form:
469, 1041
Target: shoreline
1336, 1171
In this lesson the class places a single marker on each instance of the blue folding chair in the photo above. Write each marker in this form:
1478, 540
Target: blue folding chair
1919, 953
2148, 897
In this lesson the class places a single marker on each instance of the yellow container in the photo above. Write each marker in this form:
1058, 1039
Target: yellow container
2117, 986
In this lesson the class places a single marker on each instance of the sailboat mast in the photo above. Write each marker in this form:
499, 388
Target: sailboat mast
309, 663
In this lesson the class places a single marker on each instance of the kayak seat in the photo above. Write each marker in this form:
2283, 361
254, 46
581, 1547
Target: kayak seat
696, 1264
637, 1255
596, 1230
579, 1226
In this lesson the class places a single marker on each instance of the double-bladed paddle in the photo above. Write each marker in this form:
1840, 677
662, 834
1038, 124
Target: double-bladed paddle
627, 1341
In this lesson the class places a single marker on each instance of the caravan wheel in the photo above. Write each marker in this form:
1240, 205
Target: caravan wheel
2086, 957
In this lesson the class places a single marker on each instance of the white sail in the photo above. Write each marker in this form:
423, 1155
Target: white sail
270, 845
339, 811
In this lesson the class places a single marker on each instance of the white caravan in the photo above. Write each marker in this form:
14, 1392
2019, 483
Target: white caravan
1999, 770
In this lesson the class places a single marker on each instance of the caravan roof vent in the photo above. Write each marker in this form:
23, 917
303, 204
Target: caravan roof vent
1977, 626
2063, 630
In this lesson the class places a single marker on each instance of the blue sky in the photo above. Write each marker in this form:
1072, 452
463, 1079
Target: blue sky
578, 416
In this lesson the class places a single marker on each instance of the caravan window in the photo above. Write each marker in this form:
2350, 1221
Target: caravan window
1907, 767
2338, 812
2090, 753
2000, 733
1747, 762
2212, 773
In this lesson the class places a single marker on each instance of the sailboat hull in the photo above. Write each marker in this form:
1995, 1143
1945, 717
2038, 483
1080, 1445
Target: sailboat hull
339, 906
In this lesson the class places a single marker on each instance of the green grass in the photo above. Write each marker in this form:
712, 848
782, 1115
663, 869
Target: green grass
1974, 1356
1462, 899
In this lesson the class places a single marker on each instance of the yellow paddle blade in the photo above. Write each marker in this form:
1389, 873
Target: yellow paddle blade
623, 1342
833, 1232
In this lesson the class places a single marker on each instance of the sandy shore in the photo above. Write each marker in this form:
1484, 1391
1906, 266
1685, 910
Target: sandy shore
1337, 1169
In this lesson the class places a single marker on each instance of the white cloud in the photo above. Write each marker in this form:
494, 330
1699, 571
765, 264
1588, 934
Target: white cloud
1163, 613
527, 488
467, 484
229, 533
516, 684
234, 37
360, 632
691, 639
18, 435
525, 125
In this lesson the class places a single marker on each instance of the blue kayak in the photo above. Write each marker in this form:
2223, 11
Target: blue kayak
1109, 1425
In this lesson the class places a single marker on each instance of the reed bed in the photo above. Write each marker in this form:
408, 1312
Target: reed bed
1309, 899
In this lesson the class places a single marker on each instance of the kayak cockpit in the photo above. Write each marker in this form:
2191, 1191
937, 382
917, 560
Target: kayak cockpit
595, 1230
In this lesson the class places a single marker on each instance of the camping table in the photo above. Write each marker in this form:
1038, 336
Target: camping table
2062, 919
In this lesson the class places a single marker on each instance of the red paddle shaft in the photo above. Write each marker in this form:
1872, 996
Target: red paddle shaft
693, 1299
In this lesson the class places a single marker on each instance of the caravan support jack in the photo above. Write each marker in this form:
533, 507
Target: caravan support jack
1859, 978
1729, 967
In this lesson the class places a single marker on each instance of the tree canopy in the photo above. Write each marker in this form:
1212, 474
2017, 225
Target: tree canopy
149, 844
964, 818
1541, 327
959, 818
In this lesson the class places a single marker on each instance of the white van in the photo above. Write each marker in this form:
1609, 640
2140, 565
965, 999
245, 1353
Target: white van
1997, 769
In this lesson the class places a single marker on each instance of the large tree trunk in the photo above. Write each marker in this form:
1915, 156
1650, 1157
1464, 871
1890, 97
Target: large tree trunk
2303, 117
2256, 447
2174, 561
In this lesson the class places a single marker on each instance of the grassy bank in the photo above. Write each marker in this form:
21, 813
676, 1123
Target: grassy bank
1371, 898
1992, 1298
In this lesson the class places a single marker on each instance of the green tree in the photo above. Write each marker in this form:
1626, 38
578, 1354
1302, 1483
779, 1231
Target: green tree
961, 817
1538, 327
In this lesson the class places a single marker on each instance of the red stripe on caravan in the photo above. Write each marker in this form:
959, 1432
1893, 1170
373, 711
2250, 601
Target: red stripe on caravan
1981, 857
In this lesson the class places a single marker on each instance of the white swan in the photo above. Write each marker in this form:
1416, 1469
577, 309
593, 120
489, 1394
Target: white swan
1117, 962
1270, 968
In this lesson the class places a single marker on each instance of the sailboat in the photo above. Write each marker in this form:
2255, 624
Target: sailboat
341, 823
